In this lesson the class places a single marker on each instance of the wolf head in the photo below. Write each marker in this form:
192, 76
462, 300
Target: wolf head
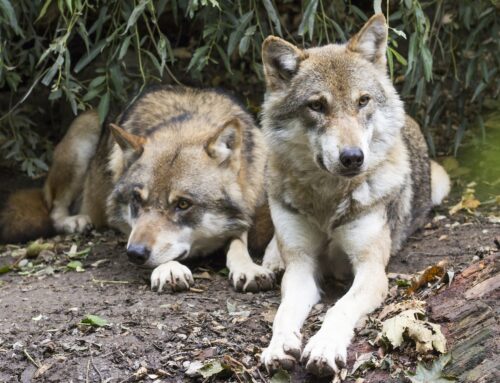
176, 190
335, 104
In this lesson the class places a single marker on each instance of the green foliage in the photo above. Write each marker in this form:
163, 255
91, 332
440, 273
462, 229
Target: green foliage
443, 55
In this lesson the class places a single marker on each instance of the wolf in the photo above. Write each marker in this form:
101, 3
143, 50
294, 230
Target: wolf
181, 173
349, 178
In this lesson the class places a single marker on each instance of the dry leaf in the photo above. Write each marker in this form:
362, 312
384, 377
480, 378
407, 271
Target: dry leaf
396, 308
427, 336
468, 202
361, 360
41, 370
269, 315
434, 374
431, 274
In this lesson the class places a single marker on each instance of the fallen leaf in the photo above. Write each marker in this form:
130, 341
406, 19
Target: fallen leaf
78, 254
76, 266
269, 315
363, 360
41, 370
396, 308
99, 262
94, 320
403, 283
427, 335
434, 374
224, 272
468, 202
211, 368
193, 368
431, 274
493, 219
36, 248
281, 376
234, 310
204, 275
141, 372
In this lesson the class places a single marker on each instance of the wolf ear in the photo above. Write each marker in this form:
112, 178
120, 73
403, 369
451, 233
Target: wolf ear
127, 140
371, 41
281, 61
225, 146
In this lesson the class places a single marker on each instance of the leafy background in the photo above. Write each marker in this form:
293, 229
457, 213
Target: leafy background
59, 57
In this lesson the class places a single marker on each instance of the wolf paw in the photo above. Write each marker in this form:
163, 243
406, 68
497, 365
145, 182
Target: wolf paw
283, 352
252, 278
73, 224
172, 273
324, 355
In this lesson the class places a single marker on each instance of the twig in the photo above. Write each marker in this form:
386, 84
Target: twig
94, 366
31, 359
87, 373
109, 282
195, 290
260, 374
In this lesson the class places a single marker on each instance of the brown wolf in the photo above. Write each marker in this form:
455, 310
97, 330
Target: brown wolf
181, 172
349, 179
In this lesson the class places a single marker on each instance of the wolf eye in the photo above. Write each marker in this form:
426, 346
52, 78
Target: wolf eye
363, 100
317, 106
183, 204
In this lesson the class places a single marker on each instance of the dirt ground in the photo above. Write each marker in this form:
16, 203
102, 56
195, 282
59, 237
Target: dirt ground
155, 337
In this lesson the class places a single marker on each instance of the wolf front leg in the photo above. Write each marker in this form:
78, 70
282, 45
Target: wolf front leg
244, 274
299, 244
367, 243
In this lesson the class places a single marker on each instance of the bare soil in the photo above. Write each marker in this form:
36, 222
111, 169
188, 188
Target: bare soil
154, 337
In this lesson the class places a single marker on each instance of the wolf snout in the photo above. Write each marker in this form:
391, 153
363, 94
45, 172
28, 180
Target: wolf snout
138, 254
352, 158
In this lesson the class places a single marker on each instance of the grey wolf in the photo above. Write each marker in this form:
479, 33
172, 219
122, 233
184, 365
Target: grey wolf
349, 178
181, 173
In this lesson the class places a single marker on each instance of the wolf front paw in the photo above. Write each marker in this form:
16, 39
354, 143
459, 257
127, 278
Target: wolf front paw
252, 278
175, 275
73, 224
324, 355
283, 352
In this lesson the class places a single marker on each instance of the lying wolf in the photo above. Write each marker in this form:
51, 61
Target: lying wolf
182, 173
349, 179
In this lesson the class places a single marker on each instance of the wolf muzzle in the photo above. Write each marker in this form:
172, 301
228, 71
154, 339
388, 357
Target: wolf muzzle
138, 254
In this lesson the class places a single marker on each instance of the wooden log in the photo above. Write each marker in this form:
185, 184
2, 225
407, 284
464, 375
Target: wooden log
467, 310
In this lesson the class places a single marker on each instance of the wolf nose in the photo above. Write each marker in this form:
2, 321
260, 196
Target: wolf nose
138, 254
352, 158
